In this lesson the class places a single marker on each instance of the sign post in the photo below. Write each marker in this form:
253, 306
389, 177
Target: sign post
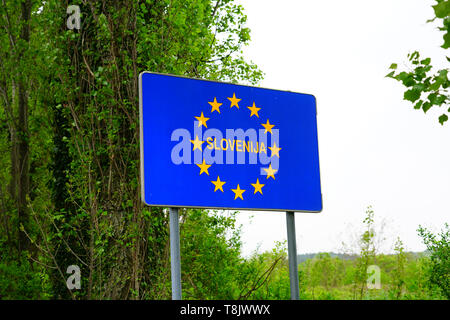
292, 255
175, 258
215, 145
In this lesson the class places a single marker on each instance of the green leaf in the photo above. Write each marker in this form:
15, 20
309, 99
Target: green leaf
414, 55
426, 106
419, 87
426, 61
436, 84
412, 95
393, 66
442, 9
406, 78
432, 97
443, 75
446, 44
418, 105
443, 118
441, 99
390, 74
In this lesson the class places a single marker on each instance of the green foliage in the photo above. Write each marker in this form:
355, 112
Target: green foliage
22, 280
417, 284
398, 271
210, 253
83, 140
442, 11
366, 255
426, 87
404, 276
267, 275
439, 248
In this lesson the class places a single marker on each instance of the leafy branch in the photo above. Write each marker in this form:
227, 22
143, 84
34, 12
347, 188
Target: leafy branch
425, 88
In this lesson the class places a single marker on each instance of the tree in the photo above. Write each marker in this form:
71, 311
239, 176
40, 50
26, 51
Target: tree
264, 275
367, 252
426, 88
14, 88
399, 270
439, 248
210, 255
323, 270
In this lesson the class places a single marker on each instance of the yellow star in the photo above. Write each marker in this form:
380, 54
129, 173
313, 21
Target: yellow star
254, 110
197, 143
270, 172
215, 105
275, 150
234, 101
202, 120
218, 184
238, 192
267, 126
258, 186
204, 167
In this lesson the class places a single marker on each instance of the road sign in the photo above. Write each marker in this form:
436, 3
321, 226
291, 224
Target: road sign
219, 145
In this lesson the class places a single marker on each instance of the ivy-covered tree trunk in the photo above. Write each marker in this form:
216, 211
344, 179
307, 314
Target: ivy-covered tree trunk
23, 132
16, 19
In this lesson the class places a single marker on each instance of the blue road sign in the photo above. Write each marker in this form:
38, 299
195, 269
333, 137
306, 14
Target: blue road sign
210, 144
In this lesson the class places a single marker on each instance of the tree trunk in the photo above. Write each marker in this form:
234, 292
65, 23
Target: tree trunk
23, 137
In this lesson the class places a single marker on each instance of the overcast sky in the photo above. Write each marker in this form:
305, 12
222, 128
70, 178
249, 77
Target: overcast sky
374, 148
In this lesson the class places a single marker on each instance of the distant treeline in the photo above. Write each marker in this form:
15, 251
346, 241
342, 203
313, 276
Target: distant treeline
345, 256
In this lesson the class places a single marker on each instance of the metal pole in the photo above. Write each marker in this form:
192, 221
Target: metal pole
292, 253
175, 257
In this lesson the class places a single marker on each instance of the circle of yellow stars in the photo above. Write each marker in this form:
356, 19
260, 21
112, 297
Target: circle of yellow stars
218, 184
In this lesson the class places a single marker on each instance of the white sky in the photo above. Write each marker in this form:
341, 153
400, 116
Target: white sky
374, 148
